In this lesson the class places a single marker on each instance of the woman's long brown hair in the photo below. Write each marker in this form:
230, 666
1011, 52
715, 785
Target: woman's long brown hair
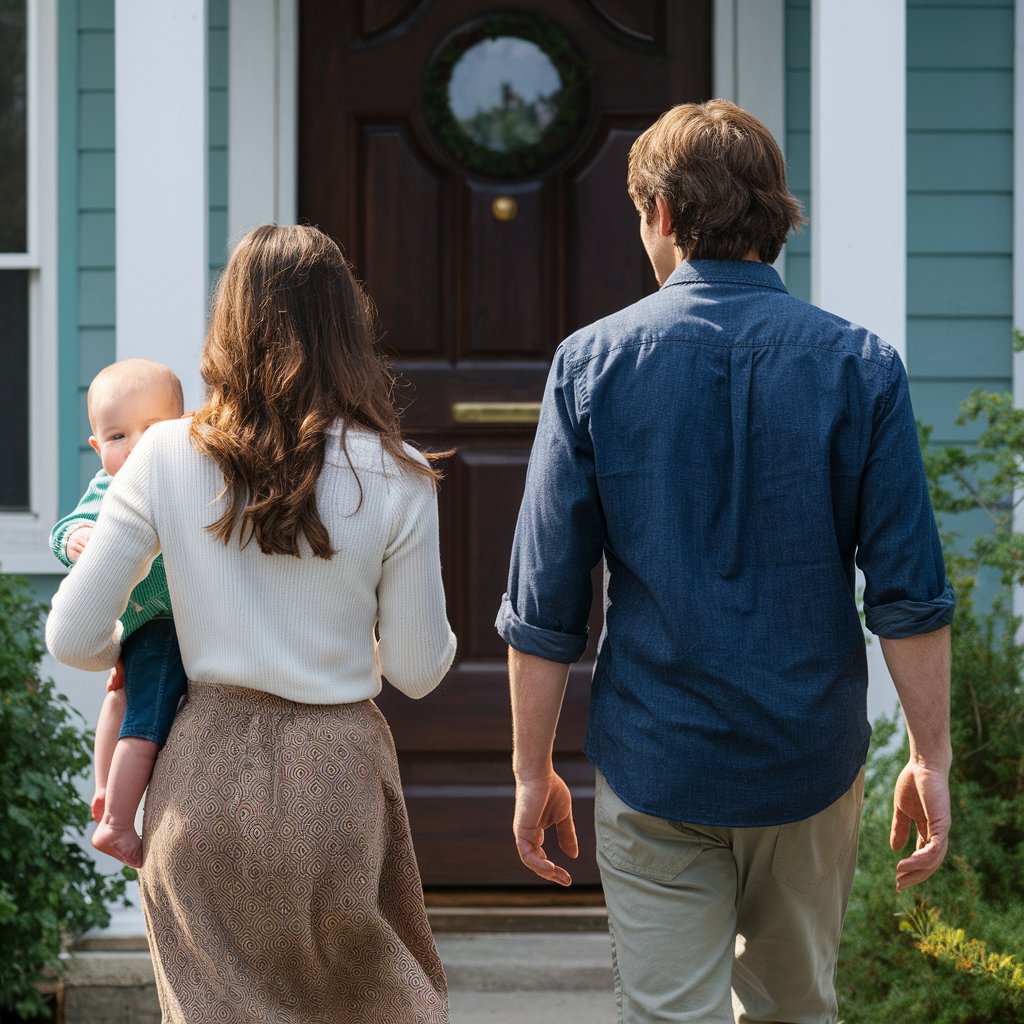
290, 350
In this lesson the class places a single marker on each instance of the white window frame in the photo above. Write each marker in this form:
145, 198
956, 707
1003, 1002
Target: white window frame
24, 536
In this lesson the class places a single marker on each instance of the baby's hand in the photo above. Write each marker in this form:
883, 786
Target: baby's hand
77, 541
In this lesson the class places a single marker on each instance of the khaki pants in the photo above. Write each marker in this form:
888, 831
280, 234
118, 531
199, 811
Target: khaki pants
678, 895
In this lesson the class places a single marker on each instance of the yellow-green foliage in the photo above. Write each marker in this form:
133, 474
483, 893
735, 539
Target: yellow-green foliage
936, 939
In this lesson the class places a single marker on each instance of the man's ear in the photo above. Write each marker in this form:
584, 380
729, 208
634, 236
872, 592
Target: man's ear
664, 215
94, 445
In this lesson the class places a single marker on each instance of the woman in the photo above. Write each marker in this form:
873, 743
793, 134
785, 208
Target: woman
279, 882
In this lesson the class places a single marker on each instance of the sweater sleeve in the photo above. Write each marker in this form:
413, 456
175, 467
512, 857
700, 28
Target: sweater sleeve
416, 646
85, 514
82, 629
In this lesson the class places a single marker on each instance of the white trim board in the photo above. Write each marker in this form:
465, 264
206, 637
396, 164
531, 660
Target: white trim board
262, 114
161, 120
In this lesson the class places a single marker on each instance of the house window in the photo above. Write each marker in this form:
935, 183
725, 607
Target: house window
16, 260
28, 283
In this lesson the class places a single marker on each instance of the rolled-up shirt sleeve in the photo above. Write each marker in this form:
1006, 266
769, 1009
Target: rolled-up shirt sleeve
906, 591
560, 532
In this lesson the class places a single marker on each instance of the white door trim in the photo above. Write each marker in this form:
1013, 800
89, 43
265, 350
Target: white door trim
262, 114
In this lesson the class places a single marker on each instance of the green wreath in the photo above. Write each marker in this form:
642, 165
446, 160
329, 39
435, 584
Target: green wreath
571, 101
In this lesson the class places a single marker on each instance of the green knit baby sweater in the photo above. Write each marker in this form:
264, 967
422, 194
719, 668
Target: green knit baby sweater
150, 598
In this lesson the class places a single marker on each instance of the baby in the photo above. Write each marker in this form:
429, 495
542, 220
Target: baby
124, 400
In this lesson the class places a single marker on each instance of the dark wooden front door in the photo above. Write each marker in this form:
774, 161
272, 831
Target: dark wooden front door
472, 307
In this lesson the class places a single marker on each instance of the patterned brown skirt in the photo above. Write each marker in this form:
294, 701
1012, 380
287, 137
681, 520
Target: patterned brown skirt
280, 884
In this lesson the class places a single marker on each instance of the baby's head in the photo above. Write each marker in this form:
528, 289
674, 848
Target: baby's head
124, 400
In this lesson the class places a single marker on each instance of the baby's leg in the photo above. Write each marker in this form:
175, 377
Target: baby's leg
108, 727
130, 770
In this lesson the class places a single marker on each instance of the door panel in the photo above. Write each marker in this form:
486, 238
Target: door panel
604, 277
507, 305
472, 307
402, 212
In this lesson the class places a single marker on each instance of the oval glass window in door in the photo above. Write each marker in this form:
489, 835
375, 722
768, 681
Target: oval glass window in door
507, 96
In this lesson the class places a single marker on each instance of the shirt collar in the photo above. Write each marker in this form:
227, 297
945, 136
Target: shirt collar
747, 272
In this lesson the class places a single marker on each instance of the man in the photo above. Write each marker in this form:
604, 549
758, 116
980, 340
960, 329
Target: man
731, 453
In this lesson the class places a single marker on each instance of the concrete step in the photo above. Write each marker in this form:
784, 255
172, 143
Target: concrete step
492, 977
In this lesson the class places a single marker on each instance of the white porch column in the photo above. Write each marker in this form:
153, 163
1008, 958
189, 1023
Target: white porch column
161, 162
262, 114
859, 187
859, 164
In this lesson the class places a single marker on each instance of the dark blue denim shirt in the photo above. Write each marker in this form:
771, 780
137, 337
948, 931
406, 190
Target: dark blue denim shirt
731, 452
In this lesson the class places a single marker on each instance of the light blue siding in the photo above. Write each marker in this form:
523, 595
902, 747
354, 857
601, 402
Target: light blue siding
969, 4
973, 161
95, 299
944, 398
961, 286
95, 14
96, 240
217, 181
798, 139
95, 346
959, 100
959, 206
980, 223
939, 344
96, 181
960, 37
95, 224
96, 119
96, 59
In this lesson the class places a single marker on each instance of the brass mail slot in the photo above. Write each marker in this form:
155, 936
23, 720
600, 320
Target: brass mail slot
496, 412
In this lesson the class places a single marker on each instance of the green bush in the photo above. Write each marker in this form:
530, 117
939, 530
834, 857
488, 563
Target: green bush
951, 951
50, 889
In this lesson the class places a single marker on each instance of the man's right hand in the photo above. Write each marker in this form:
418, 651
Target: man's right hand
76, 542
540, 804
921, 797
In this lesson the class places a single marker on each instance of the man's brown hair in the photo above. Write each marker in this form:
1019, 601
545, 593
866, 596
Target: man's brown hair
290, 351
723, 177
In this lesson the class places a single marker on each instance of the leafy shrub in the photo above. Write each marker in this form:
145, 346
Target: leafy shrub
49, 886
949, 951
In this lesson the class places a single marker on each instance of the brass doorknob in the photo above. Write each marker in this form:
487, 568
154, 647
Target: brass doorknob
504, 208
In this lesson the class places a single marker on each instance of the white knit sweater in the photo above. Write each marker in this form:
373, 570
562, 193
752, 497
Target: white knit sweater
301, 628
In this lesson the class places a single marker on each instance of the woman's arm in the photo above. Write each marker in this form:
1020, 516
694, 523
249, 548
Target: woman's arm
82, 629
416, 645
